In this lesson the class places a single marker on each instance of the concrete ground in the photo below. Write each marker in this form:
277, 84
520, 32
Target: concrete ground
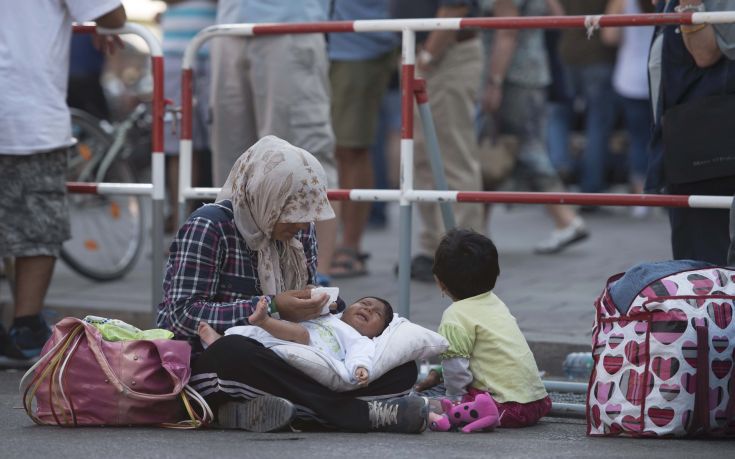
551, 438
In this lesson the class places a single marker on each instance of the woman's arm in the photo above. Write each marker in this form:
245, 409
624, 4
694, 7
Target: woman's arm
700, 40
438, 41
611, 36
502, 49
192, 281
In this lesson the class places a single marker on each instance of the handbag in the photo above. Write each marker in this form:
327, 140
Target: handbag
699, 140
83, 380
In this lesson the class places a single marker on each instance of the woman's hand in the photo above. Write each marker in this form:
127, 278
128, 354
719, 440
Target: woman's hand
298, 305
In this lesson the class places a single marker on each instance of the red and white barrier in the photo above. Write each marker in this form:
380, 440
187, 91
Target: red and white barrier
157, 188
407, 195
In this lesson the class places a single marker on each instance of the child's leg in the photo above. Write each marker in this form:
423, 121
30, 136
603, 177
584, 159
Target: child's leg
514, 414
208, 334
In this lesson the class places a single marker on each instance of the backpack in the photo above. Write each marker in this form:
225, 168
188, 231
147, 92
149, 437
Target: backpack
663, 340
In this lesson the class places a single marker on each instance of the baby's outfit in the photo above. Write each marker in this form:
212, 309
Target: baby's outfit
329, 335
488, 353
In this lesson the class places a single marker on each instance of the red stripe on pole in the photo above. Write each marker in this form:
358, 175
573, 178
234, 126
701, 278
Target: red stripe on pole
158, 104
599, 199
187, 101
304, 27
81, 187
419, 88
338, 195
560, 22
84, 28
407, 82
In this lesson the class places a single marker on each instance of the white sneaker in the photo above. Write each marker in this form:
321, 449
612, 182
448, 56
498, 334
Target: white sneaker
563, 238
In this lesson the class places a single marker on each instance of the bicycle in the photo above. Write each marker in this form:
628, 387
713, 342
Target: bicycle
107, 230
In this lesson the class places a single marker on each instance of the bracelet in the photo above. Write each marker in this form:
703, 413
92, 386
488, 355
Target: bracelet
272, 309
690, 7
425, 57
495, 80
692, 30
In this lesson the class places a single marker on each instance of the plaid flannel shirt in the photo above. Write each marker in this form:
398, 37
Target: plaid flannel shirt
212, 275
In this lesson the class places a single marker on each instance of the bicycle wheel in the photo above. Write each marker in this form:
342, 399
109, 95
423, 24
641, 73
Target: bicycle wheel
107, 230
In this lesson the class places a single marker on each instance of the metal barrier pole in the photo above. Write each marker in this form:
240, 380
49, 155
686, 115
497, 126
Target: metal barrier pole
404, 241
158, 176
432, 148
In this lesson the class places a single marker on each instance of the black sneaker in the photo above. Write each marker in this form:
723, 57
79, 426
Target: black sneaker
262, 414
399, 415
10, 355
29, 342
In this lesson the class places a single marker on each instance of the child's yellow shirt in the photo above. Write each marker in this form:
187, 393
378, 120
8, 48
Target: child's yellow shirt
482, 329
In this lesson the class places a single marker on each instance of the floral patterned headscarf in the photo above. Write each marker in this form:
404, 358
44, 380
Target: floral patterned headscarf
274, 181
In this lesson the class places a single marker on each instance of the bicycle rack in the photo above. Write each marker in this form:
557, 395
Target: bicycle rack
156, 189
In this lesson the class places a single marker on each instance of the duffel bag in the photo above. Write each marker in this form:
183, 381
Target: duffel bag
663, 341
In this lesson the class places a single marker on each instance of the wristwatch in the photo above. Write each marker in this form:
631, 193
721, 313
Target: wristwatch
690, 8
424, 57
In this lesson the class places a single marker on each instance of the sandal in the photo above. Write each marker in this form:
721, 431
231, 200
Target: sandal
348, 263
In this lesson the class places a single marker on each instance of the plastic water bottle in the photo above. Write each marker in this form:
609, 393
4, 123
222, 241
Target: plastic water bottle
578, 365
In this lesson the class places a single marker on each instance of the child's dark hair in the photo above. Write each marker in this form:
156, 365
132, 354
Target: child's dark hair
466, 262
388, 310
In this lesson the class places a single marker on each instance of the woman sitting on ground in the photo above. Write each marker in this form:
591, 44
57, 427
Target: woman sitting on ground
258, 239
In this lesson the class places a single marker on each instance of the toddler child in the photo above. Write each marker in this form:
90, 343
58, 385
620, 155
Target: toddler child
347, 338
487, 351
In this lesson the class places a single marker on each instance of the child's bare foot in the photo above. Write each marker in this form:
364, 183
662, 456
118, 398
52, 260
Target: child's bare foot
261, 312
207, 333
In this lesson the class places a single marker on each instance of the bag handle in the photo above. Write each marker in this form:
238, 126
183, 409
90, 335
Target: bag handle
51, 360
195, 421
93, 343
700, 420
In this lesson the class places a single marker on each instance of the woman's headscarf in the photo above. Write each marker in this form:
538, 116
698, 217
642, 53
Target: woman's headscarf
274, 181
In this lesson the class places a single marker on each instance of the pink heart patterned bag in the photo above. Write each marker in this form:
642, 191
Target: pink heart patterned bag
83, 380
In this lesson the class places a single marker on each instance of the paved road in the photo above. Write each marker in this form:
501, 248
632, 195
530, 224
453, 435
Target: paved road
551, 438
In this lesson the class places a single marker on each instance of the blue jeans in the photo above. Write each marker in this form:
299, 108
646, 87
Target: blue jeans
638, 124
593, 83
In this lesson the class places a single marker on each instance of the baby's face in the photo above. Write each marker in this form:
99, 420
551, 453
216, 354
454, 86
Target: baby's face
367, 316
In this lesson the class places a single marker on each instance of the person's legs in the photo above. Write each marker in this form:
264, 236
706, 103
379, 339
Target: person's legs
35, 224
637, 113
600, 105
452, 89
233, 120
557, 129
291, 99
357, 89
523, 115
514, 414
701, 234
238, 368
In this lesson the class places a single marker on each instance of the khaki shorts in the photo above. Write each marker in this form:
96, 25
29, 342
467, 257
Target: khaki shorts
357, 91
34, 213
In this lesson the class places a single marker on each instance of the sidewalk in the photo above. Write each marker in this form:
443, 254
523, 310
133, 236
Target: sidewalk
551, 295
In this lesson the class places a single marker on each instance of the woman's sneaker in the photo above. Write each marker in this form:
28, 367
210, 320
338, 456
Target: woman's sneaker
560, 239
399, 415
262, 414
